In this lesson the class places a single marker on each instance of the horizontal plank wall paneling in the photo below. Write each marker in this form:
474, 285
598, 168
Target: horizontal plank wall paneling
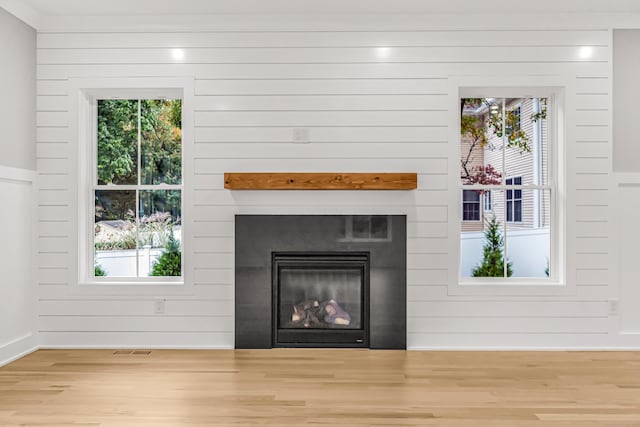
322, 55
368, 101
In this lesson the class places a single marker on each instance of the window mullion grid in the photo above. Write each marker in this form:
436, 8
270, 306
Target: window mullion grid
138, 187
547, 186
93, 188
504, 174
139, 175
506, 187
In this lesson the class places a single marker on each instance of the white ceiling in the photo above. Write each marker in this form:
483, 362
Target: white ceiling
199, 7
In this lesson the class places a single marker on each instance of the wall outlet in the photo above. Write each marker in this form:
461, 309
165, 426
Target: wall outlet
159, 306
614, 307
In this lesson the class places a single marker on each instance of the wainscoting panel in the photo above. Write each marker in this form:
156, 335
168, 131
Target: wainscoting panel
17, 294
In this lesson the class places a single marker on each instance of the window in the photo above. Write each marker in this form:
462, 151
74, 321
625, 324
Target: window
505, 162
514, 201
487, 201
136, 187
515, 117
470, 205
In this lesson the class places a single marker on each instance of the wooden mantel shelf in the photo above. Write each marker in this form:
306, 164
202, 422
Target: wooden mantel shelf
320, 181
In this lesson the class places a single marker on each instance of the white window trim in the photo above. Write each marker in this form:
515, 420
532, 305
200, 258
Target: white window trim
557, 89
83, 93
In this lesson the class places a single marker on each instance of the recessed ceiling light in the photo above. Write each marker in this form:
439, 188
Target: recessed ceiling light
383, 51
585, 52
177, 54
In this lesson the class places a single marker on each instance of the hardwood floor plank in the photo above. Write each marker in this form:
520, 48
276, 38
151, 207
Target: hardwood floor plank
327, 387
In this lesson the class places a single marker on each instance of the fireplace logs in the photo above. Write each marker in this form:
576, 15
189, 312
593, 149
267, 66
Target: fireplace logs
315, 314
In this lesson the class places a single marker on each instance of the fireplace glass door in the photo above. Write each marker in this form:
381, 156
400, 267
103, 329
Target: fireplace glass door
320, 299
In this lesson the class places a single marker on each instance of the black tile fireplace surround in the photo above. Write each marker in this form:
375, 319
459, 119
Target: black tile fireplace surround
320, 281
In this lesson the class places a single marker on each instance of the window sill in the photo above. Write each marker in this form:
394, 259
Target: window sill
162, 281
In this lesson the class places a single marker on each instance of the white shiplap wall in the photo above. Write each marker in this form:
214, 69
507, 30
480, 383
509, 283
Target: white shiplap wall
373, 101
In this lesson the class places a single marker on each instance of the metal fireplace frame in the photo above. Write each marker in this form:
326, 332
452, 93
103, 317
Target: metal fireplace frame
315, 337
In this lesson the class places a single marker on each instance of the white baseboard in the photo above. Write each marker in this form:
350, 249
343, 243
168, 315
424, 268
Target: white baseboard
18, 348
24, 346
130, 347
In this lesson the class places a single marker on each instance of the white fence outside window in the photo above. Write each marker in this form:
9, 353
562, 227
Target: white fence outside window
528, 251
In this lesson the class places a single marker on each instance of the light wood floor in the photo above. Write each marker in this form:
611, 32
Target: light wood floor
289, 387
